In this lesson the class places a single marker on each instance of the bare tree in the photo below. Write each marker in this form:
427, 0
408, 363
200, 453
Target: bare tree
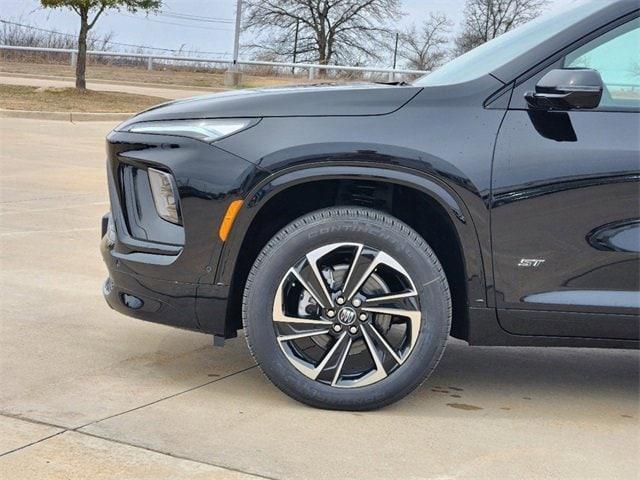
486, 19
329, 31
426, 49
86, 8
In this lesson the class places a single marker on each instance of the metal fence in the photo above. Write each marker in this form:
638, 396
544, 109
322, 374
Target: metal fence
312, 68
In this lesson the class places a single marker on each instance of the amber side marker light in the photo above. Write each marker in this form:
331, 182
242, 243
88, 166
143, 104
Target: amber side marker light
229, 217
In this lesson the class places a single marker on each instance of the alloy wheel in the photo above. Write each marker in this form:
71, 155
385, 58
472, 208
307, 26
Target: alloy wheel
347, 315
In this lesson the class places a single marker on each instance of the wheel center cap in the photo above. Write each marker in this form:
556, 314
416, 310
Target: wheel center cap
347, 316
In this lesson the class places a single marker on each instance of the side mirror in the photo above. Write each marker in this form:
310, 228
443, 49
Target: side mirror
567, 89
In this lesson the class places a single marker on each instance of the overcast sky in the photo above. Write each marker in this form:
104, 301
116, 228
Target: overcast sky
214, 38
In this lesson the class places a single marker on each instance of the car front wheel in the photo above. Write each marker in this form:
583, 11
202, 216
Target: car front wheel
347, 308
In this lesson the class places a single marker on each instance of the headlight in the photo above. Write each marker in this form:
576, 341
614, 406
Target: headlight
205, 130
164, 195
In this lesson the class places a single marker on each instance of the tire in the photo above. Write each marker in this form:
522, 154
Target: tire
363, 257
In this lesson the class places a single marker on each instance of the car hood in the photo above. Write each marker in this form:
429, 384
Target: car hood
306, 101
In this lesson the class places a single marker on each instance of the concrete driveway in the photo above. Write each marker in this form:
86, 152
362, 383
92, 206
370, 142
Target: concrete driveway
88, 393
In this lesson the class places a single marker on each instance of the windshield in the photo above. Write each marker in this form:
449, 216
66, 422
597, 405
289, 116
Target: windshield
489, 56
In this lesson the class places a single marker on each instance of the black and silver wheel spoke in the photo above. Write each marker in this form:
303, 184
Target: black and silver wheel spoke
379, 373
340, 366
298, 336
389, 300
314, 372
364, 265
359, 270
279, 316
311, 282
375, 334
414, 317
347, 315
312, 261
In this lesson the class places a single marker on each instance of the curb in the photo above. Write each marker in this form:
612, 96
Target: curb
65, 116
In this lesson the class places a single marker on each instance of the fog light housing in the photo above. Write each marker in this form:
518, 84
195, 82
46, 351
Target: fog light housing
165, 195
131, 301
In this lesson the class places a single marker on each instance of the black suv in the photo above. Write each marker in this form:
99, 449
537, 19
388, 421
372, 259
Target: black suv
349, 230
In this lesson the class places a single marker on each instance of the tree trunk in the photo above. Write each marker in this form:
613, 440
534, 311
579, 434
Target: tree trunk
81, 64
322, 53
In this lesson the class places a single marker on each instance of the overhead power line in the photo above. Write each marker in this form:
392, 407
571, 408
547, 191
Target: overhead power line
173, 23
195, 18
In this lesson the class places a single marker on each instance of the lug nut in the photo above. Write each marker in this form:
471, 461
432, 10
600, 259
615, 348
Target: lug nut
337, 327
353, 330
340, 300
331, 313
363, 317
357, 302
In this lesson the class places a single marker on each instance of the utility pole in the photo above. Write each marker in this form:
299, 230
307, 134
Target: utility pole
395, 51
295, 47
233, 76
392, 75
236, 40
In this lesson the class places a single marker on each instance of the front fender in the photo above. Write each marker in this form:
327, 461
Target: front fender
326, 169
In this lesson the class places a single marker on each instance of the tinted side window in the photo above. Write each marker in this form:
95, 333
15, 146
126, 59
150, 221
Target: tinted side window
616, 55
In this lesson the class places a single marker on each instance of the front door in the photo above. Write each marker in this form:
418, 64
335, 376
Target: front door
566, 202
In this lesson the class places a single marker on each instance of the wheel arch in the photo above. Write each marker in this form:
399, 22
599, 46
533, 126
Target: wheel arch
265, 202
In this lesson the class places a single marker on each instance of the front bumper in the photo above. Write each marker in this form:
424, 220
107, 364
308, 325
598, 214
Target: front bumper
154, 274
146, 298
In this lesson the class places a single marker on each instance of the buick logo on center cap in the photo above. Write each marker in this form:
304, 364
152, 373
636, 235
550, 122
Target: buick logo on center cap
347, 315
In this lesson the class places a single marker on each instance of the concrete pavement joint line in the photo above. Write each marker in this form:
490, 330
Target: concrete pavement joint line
32, 443
74, 429
173, 455
164, 398
89, 434
31, 420
121, 442
78, 429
